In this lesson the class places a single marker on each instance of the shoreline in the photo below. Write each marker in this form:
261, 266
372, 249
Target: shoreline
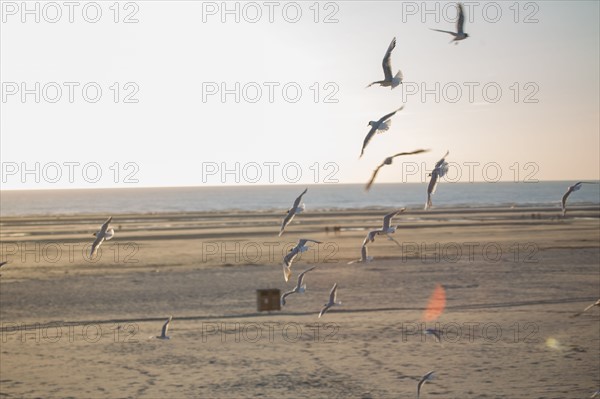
460, 209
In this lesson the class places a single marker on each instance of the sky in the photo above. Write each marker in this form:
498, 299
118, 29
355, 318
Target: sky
190, 96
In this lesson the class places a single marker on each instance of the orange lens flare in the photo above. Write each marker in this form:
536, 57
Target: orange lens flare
436, 305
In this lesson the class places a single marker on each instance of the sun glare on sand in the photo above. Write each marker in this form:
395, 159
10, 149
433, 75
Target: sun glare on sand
436, 304
553, 343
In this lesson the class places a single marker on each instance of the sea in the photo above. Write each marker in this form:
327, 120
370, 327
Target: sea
320, 197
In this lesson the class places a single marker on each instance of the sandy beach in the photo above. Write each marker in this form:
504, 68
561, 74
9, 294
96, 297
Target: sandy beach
77, 327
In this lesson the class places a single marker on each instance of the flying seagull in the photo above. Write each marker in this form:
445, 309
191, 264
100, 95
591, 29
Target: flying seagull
296, 208
595, 394
387, 70
103, 234
3, 263
364, 257
436, 333
370, 237
385, 229
423, 380
379, 126
460, 34
388, 161
165, 329
300, 287
332, 301
387, 220
440, 170
597, 303
572, 188
289, 258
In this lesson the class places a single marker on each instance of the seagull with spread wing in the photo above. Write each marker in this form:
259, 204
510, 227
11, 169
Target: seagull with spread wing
165, 329
423, 380
332, 301
364, 257
389, 80
597, 303
388, 161
370, 237
289, 258
382, 125
387, 228
300, 287
570, 189
103, 234
440, 170
436, 333
296, 208
460, 33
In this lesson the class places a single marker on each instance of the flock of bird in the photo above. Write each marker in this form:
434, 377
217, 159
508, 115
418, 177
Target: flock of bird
106, 233
383, 124
386, 229
301, 247
379, 126
441, 168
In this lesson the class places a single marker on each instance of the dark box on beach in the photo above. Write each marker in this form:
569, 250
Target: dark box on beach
267, 300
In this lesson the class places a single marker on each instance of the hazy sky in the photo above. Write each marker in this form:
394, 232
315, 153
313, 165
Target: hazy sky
181, 133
